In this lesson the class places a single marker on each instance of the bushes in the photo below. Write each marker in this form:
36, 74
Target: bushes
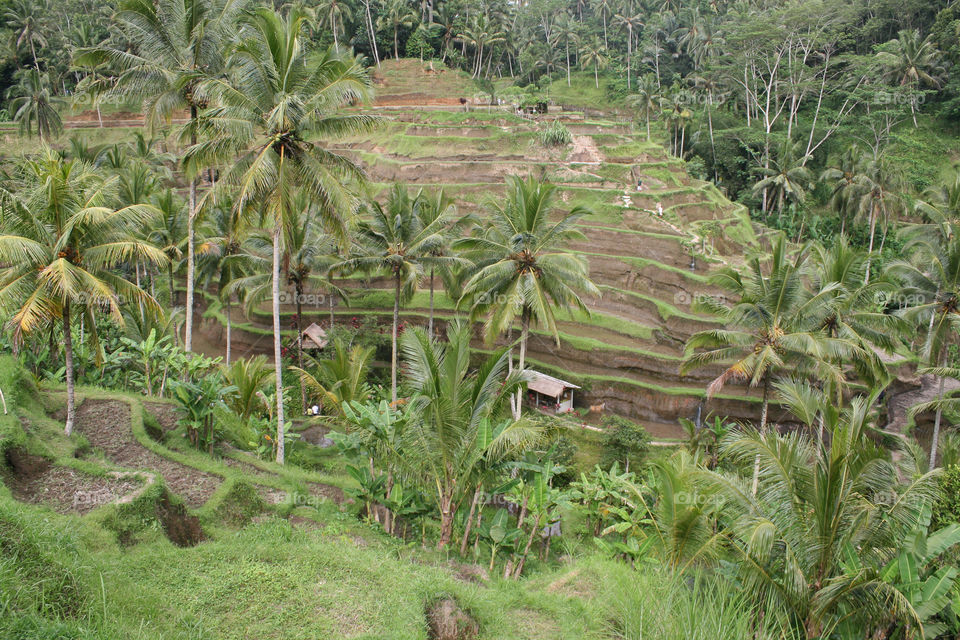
624, 441
555, 135
946, 510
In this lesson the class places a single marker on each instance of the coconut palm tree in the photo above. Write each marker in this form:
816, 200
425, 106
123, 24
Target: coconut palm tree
60, 242
460, 415
813, 538
221, 259
840, 179
630, 22
647, 99
396, 14
33, 103
521, 271
430, 207
912, 62
272, 116
595, 55
396, 239
877, 189
565, 31
340, 378
786, 178
169, 233
178, 43
770, 330
334, 14
24, 19
933, 274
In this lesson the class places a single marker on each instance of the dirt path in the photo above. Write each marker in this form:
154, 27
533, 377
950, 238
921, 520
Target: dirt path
106, 424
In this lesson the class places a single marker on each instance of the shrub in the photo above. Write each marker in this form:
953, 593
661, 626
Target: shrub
555, 135
624, 441
946, 510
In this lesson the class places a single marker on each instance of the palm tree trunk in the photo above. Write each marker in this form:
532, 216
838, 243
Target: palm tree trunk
331, 309
277, 356
430, 319
228, 330
446, 520
68, 363
303, 388
629, 53
935, 440
466, 531
333, 27
393, 350
873, 228
524, 335
191, 219
568, 62
763, 431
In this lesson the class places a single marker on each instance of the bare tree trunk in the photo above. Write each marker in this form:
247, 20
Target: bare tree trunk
303, 388
68, 363
446, 521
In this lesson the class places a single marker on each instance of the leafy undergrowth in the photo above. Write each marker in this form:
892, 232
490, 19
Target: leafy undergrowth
241, 566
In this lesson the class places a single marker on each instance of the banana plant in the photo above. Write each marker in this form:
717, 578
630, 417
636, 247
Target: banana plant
370, 488
198, 401
927, 584
500, 532
153, 354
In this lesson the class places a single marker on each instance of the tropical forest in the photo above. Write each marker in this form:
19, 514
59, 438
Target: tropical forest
479, 320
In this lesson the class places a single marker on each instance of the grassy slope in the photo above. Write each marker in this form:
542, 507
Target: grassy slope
66, 576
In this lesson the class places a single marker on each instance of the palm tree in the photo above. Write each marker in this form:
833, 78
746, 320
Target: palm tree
396, 239
334, 14
815, 534
630, 22
877, 188
169, 233
840, 179
459, 413
439, 206
178, 44
785, 179
595, 55
521, 270
605, 9
267, 130
647, 99
307, 253
34, 103
396, 14
770, 332
912, 62
23, 19
933, 273
566, 30
61, 242
341, 378
225, 230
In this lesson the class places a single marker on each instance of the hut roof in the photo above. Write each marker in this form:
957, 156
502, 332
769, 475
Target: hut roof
314, 337
548, 385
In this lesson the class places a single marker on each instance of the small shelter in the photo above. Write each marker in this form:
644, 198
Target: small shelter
548, 393
314, 337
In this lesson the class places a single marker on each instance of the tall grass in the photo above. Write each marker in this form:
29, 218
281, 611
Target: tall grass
652, 604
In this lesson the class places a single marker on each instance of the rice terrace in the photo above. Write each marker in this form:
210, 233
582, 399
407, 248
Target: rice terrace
472, 319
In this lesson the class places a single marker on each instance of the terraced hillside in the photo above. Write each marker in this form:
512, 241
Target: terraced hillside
626, 354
